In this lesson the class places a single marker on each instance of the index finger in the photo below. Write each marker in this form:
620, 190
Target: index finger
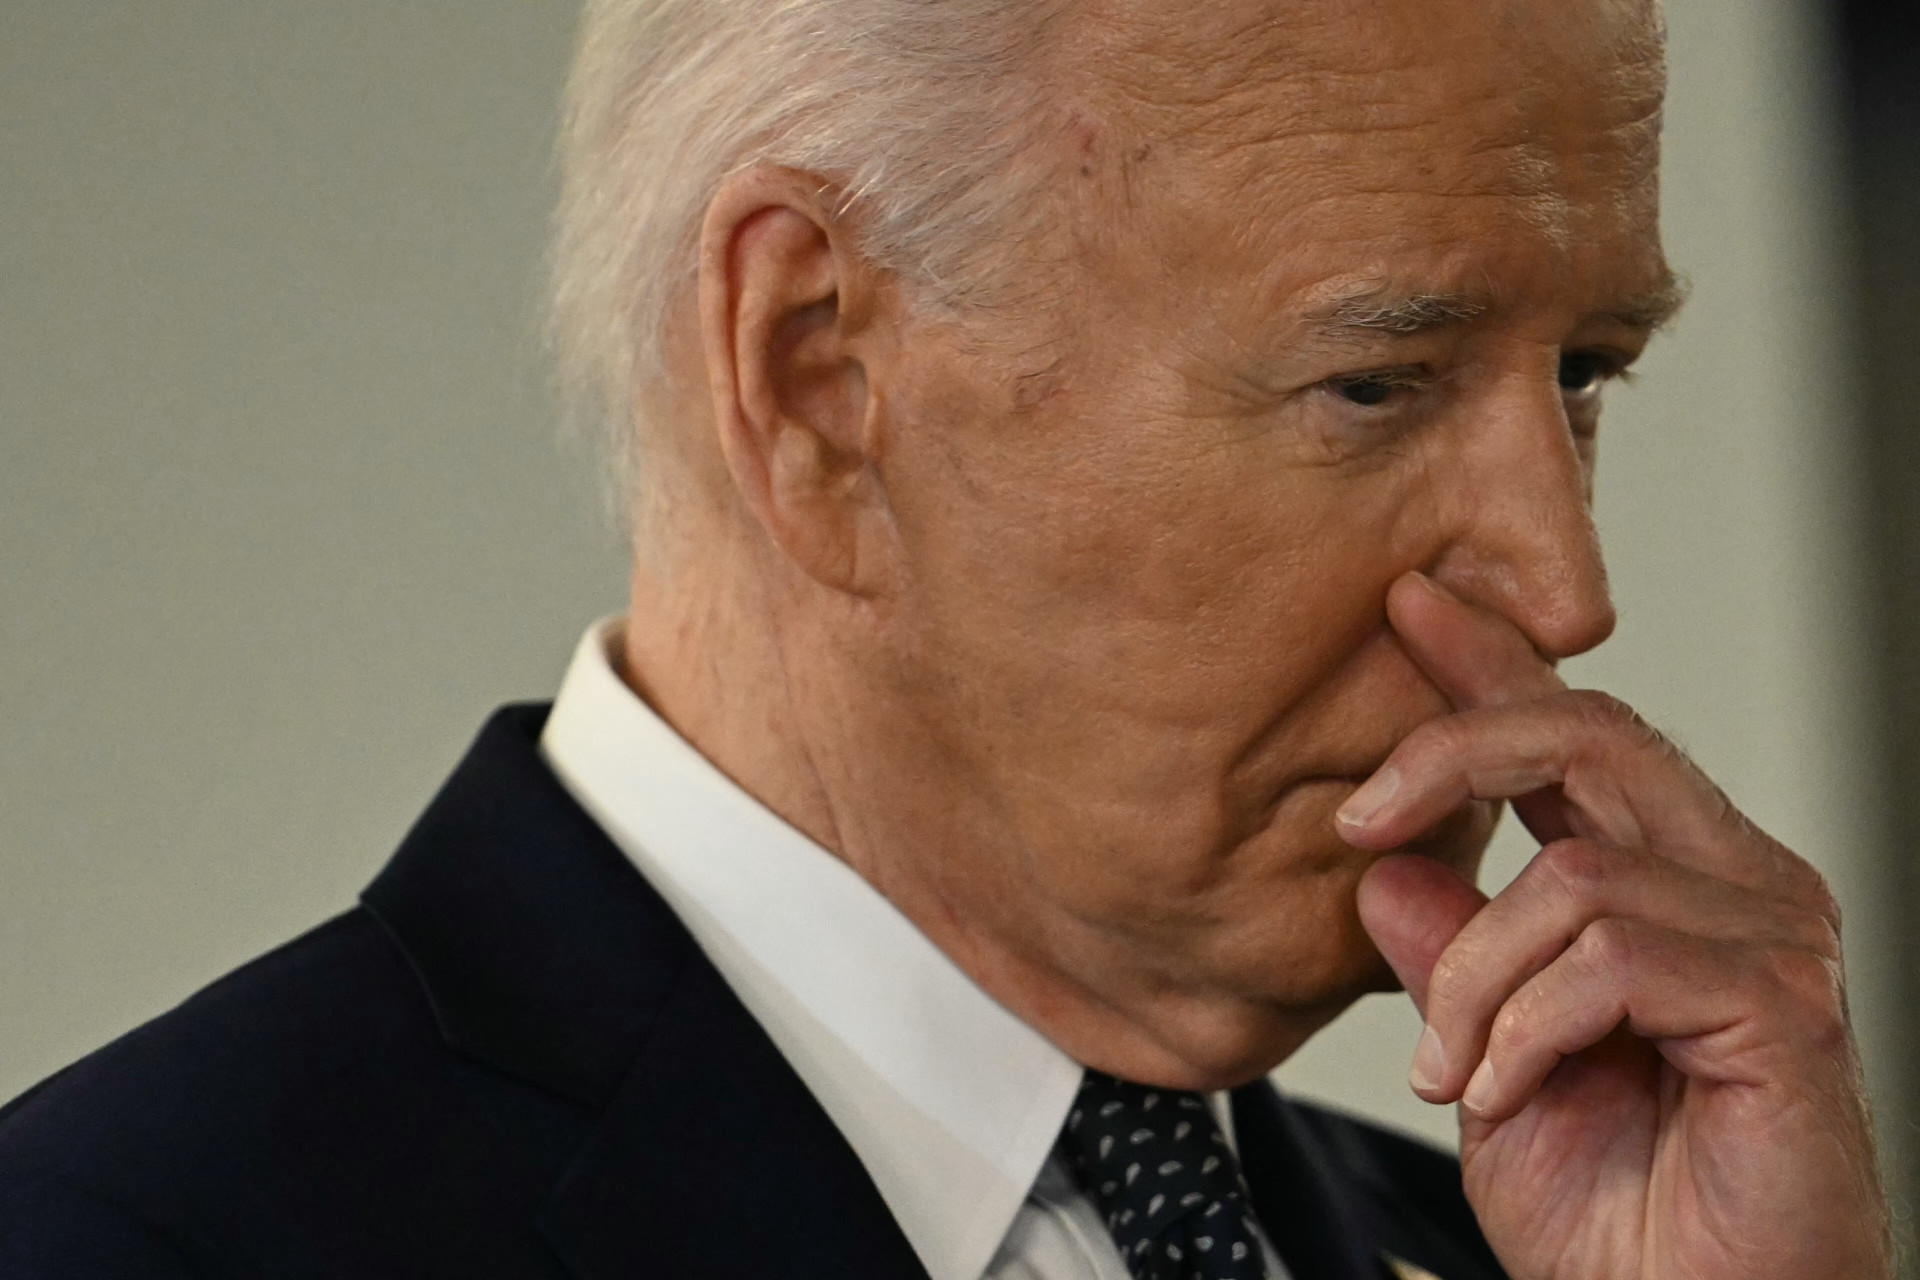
1476, 657
1616, 780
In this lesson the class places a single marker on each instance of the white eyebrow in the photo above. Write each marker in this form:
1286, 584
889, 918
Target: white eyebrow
1656, 308
1373, 312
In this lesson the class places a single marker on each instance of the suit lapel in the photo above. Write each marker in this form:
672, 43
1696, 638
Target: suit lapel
715, 1161
1329, 1210
1309, 1212
547, 956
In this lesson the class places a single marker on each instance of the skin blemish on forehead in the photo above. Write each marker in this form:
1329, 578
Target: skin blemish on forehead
1083, 132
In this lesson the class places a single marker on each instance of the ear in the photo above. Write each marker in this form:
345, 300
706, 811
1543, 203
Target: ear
789, 320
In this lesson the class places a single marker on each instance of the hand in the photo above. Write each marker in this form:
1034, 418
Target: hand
1647, 1029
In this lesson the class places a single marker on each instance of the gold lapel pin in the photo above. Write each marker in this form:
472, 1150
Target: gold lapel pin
1404, 1270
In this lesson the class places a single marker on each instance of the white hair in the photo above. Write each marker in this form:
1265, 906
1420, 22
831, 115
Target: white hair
918, 112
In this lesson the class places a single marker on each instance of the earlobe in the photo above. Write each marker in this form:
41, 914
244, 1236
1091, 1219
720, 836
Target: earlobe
786, 333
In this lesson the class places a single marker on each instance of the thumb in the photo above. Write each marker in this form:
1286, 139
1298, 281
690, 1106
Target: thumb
1412, 906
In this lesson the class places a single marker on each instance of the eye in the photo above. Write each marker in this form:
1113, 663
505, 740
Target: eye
1373, 389
1368, 392
1584, 373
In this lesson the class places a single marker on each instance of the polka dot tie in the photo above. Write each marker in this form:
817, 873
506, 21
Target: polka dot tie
1164, 1178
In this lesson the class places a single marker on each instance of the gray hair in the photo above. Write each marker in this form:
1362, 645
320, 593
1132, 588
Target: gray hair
917, 112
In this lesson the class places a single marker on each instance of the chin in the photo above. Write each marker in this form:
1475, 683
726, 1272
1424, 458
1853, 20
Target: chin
1271, 954
1241, 1046
1304, 949
1246, 1042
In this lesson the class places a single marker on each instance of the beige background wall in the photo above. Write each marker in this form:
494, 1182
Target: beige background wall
281, 515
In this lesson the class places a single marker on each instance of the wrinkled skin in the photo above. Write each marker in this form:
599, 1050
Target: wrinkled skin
1648, 1027
1066, 623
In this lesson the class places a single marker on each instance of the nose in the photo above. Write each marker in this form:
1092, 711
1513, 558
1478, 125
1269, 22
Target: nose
1522, 539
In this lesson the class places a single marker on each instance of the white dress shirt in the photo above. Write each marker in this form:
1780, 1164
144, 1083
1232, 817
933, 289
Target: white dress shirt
952, 1104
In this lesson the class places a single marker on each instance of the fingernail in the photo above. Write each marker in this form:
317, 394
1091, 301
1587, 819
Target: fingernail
1365, 804
1481, 1088
1429, 1062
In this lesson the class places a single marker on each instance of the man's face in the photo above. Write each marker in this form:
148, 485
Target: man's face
1338, 287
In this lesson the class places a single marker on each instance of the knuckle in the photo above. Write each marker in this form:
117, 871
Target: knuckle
1606, 946
1829, 911
1796, 881
1509, 1030
1447, 983
1580, 868
1815, 991
1810, 979
1814, 890
1436, 739
1816, 933
1828, 945
1419, 749
1727, 814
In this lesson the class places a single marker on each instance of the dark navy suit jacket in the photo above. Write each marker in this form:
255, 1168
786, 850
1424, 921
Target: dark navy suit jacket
510, 1060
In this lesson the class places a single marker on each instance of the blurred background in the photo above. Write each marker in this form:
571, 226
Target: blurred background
283, 513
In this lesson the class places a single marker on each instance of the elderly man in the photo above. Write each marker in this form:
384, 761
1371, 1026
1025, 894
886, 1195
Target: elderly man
1110, 486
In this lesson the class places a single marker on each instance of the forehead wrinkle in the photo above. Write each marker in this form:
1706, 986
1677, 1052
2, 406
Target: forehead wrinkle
1291, 146
1250, 136
1240, 75
1176, 58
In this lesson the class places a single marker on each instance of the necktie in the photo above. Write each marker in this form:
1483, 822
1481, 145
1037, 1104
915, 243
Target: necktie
1164, 1178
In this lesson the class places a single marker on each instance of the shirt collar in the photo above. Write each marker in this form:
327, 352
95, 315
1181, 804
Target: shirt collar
950, 1101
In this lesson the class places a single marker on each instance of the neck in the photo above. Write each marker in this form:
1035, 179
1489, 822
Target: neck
702, 648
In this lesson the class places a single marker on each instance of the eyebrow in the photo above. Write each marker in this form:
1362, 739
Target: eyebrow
1376, 311
1655, 309
1373, 311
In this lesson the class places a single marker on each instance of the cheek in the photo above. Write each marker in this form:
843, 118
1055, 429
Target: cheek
1126, 617
1213, 587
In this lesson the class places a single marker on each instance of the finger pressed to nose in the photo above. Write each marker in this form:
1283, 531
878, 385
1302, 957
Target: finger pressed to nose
1617, 781
1474, 656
